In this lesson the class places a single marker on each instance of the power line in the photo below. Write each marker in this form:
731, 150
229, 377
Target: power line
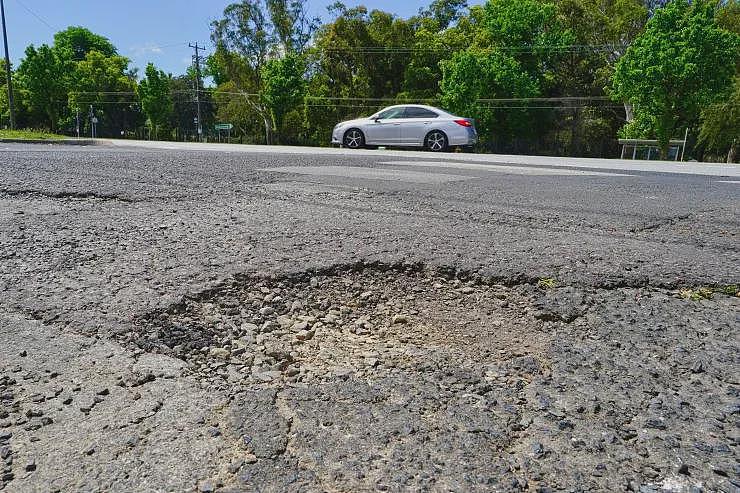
35, 15
517, 49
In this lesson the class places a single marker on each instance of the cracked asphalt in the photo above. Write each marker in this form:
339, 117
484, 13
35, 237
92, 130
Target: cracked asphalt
236, 319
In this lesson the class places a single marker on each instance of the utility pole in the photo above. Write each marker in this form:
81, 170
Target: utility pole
196, 61
93, 123
7, 69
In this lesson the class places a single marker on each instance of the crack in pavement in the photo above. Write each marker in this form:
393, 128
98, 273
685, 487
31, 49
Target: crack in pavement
66, 195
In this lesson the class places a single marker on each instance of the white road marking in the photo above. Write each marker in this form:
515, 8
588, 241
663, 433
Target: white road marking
372, 174
514, 170
728, 181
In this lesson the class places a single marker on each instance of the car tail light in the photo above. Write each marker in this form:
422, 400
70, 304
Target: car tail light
464, 123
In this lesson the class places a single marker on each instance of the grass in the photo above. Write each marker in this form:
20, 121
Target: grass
546, 283
706, 293
29, 134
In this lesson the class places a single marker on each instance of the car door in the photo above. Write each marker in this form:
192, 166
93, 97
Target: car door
416, 125
386, 128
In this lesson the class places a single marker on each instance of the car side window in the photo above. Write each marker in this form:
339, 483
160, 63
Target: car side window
414, 112
391, 114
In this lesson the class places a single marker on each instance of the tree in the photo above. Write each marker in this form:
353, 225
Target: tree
284, 86
292, 25
445, 12
43, 85
678, 66
106, 84
474, 75
720, 128
156, 101
251, 33
4, 107
75, 42
514, 51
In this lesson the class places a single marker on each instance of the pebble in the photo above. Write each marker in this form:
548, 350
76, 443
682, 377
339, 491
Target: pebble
305, 335
206, 487
219, 353
266, 311
235, 466
400, 319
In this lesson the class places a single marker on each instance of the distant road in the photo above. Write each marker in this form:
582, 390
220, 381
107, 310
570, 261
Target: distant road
692, 168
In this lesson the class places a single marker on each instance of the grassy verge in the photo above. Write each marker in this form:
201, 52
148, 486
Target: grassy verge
29, 134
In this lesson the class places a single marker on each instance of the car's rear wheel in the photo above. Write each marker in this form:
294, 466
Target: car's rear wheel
436, 141
354, 138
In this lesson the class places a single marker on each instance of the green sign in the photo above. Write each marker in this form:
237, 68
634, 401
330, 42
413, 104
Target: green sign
224, 126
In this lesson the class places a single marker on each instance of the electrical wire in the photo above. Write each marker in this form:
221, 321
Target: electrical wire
35, 15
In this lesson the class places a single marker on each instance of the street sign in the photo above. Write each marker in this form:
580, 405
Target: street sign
224, 126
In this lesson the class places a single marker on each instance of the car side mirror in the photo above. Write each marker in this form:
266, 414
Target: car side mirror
376, 120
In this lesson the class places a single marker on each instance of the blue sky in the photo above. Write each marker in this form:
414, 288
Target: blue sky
155, 30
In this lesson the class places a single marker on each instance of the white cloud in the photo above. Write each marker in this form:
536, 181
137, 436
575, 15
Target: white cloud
146, 49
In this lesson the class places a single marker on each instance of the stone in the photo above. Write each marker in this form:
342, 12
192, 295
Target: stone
400, 319
235, 466
267, 311
206, 487
219, 353
30, 465
249, 327
305, 335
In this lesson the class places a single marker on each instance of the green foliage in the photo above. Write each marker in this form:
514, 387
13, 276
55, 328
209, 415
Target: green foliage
291, 23
284, 86
103, 82
43, 85
155, 97
547, 283
472, 75
678, 66
29, 134
445, 12
720, 122
75, 42
707, 292
514, 54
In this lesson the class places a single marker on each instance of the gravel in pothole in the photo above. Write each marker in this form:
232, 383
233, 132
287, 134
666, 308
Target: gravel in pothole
353, 322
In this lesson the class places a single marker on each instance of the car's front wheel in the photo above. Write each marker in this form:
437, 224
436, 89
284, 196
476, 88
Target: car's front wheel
436, 141
354, 139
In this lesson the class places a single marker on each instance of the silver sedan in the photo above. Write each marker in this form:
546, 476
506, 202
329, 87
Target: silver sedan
407, 125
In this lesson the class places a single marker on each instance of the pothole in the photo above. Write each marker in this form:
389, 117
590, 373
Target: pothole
351, 322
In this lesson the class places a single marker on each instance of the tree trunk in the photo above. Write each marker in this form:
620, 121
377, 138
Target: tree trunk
267, 130
629, 112
732, 152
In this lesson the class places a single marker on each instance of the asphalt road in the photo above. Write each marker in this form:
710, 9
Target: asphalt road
542, 340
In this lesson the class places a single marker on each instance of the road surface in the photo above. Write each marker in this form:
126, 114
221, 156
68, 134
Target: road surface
183, 317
